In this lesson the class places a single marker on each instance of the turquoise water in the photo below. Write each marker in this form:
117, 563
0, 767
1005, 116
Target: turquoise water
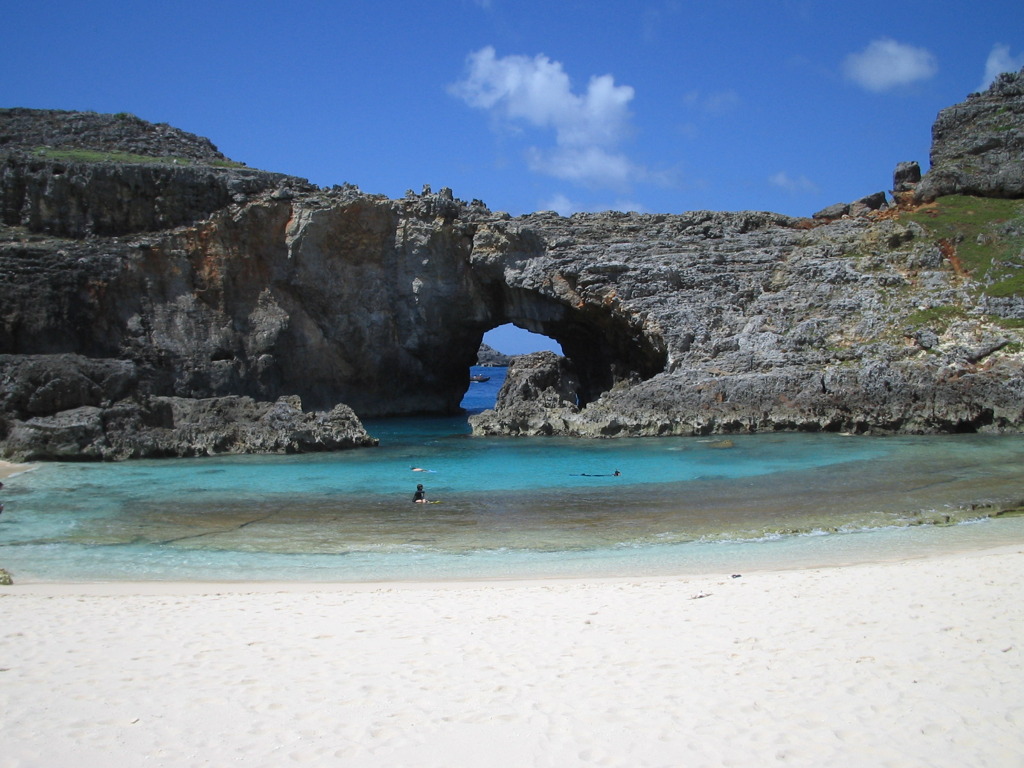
511, 508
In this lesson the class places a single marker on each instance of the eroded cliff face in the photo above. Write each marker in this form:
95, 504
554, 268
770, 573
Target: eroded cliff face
978, 145
859, 325
672, 324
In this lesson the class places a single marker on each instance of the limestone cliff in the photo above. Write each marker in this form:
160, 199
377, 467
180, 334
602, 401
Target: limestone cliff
888, 320
77, 175
977, 146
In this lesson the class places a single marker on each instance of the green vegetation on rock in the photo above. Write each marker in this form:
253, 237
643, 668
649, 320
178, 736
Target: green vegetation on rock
97, 156
936, 318
982, 237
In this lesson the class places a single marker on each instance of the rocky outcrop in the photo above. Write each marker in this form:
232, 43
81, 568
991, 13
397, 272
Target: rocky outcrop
76, 175
490, 357
906, 177
217, 334
68, 407
876, 398
35, 129
768, 326
861, 207
178, 427
540, 390
977, 146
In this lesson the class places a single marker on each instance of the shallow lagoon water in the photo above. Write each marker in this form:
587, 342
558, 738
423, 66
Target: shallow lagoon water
512, 508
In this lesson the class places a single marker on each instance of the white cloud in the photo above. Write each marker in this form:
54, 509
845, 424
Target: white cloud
999, 61
886, 64
537, 92
799, 185
589, 165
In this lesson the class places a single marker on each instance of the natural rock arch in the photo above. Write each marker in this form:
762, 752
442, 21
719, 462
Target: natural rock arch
210, 287
604, 348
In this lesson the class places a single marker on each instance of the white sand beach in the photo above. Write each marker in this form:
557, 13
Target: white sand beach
917, 663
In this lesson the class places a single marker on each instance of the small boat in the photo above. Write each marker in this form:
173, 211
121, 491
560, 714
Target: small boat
479, 378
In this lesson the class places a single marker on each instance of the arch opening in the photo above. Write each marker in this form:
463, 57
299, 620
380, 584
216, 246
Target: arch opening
500, 344
604, 348
509, 339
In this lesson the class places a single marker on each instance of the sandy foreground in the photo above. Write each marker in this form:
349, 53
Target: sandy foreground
916, 663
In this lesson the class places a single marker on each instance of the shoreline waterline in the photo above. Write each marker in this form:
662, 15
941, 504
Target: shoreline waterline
528, 508
10, 469
694, 560
187, 587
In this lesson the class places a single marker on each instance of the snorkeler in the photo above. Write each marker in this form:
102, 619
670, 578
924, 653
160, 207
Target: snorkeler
420, 497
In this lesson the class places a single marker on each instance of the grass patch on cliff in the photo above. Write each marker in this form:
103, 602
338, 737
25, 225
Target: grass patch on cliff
97, 156
982, 237
940, 318
937, 318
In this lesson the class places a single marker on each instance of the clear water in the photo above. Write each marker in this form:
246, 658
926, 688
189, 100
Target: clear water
511, 508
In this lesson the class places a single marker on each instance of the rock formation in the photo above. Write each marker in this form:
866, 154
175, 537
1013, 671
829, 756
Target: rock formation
539, 389
78, 175
180, 324
71, 407
977, 146
488, 356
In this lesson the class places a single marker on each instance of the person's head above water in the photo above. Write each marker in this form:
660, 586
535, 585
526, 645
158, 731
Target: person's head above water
419, 487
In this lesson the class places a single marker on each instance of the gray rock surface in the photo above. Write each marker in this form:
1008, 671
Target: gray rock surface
69, 407
74, 174
490, 357
906, 177
768, 326
216, 334
30, 129
540, 389
977, 146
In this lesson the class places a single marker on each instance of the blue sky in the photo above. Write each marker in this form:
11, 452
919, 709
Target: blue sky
660, 106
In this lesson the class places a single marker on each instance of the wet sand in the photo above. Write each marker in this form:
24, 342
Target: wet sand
7, 469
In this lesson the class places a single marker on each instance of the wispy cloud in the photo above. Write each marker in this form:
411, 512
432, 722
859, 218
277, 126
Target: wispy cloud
565, 206
886, 64
799, 185
587, 165
537, 92
713, 103
1000, 60
561, 205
